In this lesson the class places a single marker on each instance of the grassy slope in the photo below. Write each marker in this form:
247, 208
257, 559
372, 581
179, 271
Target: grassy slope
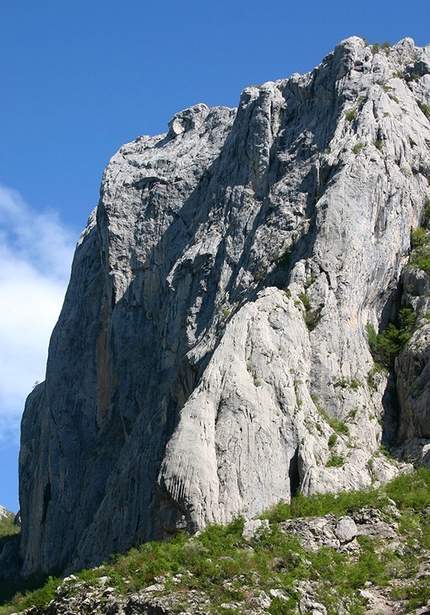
220, 565
7, 529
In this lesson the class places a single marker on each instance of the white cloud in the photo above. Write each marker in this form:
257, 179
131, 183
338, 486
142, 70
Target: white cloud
35, 257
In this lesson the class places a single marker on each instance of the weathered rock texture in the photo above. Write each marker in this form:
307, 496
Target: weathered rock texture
214, 327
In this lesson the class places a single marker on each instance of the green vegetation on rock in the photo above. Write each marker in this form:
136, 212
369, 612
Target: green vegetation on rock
385, 346
420, 256
228, 572
311, 317
7, 529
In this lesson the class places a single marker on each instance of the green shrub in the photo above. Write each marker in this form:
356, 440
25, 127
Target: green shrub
305, 300
342, 503
418, 237
378, 144
385, 346
420, 256
8, 530
352, 383
357, 147
369, 566
260, 275
421, 260
355, 384
352, 413
280, 606
311, 317
284, 260
424, 108
8, 527
42, 596
335, 461
337, 425
417, 594
332, 440
411, 490
342, 382
351, 115
221, 563
427, 213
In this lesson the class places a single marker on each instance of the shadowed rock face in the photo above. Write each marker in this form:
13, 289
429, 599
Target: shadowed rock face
214, 327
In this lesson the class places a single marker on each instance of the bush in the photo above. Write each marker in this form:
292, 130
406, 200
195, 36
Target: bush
424, 108
420, 243
421, 259
418, 237
337, 425
427, 212
42, 596
8, 530
311, 317
357, 147
342, 503
332, 440
284, 260
221, 563
352, 383
411, 490
385, 346
305, 300
335, 461
7, 526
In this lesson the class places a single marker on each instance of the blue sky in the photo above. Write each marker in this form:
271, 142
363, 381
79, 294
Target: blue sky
80, 78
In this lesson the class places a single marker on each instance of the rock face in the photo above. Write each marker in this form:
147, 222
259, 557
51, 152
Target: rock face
211, 356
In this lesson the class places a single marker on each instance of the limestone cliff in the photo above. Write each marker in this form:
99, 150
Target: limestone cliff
212, 353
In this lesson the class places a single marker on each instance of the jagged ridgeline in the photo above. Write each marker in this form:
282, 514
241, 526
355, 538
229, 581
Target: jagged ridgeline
242, 319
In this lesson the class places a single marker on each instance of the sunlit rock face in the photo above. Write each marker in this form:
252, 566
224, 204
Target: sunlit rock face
211, 356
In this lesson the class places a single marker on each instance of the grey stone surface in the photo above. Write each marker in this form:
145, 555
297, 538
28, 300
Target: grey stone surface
215, 321
346, 530
339, 534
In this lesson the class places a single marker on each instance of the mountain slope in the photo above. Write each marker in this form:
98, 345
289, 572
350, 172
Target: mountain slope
212, 353
356, 553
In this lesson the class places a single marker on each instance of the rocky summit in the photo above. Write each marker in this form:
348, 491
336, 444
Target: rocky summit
245, 317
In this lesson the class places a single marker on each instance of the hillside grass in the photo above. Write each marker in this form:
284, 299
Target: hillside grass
8, 530
229, 568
